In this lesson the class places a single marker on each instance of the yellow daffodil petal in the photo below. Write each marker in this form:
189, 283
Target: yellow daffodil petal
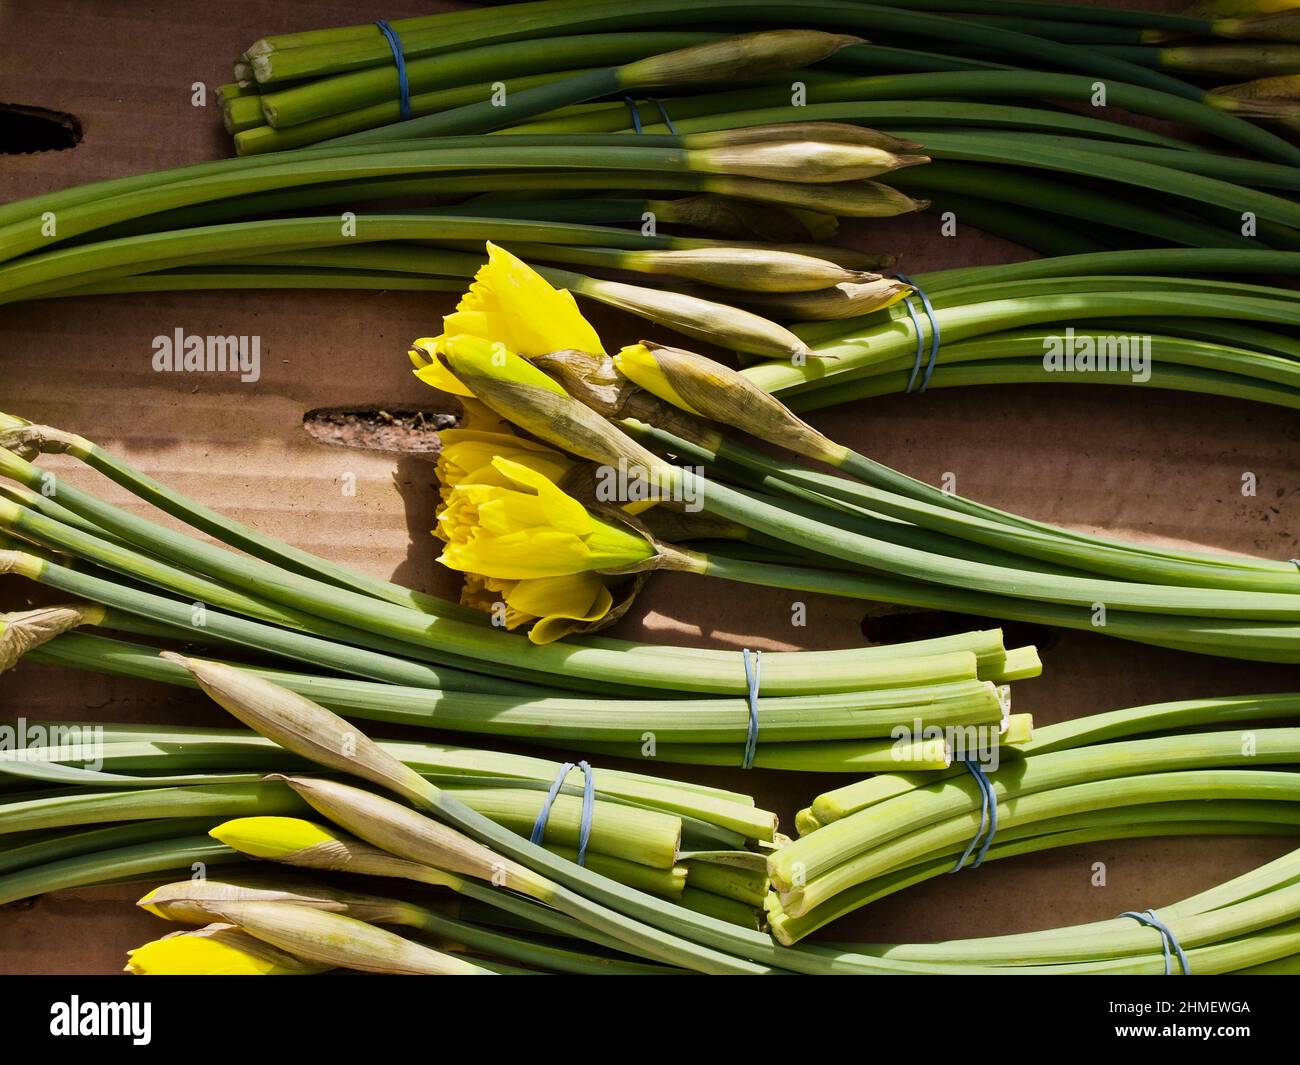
511, 302
560, 604
430, 369
561, 511
467, 455
535, 553
529, 528
570, 596
637, 363
479, 417
471, 355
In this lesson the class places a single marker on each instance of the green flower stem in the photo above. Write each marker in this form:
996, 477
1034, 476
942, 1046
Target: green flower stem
150, 748
878, 555
845, 838
860, 756
1067, 199
1029, 371
142, 861
867, 20
327, 650
1070, 552
1069, 735
724, 721
721, 908
513, 947
261, 139
681, 669
43, 848
620, 828
983, 86
1117, 938
505, 62
952, 835
309, 168
789, 930
696, 114
1205, 635
892, 337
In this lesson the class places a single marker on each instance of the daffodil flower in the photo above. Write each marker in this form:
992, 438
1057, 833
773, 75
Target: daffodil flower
510, 303
530, 528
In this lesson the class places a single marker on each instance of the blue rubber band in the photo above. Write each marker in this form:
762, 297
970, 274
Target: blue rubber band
636, 114
1167, 939
752, 673
588, 807
663, 113
988, 818
920, 336
403, 86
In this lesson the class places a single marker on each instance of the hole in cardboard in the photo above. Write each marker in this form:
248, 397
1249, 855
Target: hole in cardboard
904, 625
399, 430
25, 129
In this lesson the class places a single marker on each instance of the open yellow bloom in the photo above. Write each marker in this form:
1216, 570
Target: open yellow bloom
512, 303
530, 528
556, 606
218, 950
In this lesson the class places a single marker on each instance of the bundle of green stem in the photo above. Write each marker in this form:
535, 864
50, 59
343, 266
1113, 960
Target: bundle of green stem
1247, 925
1144, 318
241, 223
1056, 181
1146, 771
378, 651
152, 787
865, 531
442, 842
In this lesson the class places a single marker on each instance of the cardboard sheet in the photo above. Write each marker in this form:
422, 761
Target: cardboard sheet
1152, 466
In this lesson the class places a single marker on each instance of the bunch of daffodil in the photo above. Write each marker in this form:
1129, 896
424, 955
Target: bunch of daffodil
526, 548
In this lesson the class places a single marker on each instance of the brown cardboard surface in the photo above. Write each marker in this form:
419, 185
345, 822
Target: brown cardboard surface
1152, 466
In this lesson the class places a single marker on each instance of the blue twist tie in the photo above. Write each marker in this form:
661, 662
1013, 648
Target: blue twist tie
636, 114
1167, 939
988, 818
752, 672
663, 113
920, 335
403, 86
588, 807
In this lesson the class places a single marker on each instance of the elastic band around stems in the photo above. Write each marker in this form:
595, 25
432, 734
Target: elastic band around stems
1167, 939
988, 818
399, 58
920, 335
663, 113
588, 806
636, 113
752, 674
